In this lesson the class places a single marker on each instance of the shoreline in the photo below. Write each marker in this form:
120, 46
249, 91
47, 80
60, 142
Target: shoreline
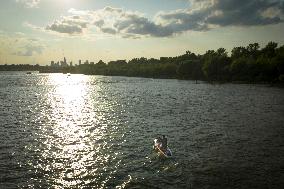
269, 84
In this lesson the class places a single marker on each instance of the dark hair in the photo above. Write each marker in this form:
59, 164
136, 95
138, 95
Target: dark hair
164, 136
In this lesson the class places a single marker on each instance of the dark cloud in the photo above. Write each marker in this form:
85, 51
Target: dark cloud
99, 23
64, 28
204, 15
112, 9
245, 13
136, 24
184, 20
132, 23
225, 13
76, 17
108, 30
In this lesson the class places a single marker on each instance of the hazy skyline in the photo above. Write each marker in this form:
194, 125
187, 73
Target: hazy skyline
38, 31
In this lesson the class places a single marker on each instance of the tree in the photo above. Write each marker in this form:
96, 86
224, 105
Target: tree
238, 52
239, 69
216, 65
270, 49
253, 50
190, 69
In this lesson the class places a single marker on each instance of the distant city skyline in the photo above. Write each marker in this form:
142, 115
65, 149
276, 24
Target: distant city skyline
39, 31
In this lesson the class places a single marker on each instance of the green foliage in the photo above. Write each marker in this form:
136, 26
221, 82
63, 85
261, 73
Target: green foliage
190, 69
239, 69
216, 65
238, 52
269, 50
246, 64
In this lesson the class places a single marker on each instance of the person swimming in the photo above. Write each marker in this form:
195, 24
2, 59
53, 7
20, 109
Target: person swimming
159, 141
164, 141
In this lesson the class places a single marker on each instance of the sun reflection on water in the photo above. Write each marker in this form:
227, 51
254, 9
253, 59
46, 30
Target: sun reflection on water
73, 147
74, 144
77, 135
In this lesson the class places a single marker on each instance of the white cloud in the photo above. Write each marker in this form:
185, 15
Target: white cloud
68, 25
20, 44
202, 16
29, 25
29, 3
118, 21
29, 50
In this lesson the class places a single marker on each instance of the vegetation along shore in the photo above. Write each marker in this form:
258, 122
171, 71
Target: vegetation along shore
250, 64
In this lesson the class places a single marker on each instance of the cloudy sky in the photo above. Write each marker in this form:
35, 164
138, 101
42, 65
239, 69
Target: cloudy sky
38, 31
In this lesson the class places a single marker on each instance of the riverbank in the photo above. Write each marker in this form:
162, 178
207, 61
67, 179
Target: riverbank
279, 84
246, 64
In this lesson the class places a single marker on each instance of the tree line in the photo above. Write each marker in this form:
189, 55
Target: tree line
245, 64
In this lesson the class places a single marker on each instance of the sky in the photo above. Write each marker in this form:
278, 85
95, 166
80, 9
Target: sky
39, 31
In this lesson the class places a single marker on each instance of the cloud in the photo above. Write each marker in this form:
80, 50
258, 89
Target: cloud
108, 20
29, 25
206, 14
136, 24
203, 15
183, 20
29, 3
108, 30
68, 25
30, 50
112, 9
127, 23
28, 46
20, 44
245, 13
99, 23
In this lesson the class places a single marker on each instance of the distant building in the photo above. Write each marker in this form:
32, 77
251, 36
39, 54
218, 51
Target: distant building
53, 64
64, 63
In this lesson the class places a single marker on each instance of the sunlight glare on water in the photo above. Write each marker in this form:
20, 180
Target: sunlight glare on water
70, 138
74, 142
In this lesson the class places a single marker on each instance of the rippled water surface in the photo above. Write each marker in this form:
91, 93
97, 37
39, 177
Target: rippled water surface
77, 131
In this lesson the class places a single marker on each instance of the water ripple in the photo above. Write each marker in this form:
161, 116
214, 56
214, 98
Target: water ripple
78, 131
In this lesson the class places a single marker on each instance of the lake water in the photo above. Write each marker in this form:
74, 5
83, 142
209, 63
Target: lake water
77, 131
